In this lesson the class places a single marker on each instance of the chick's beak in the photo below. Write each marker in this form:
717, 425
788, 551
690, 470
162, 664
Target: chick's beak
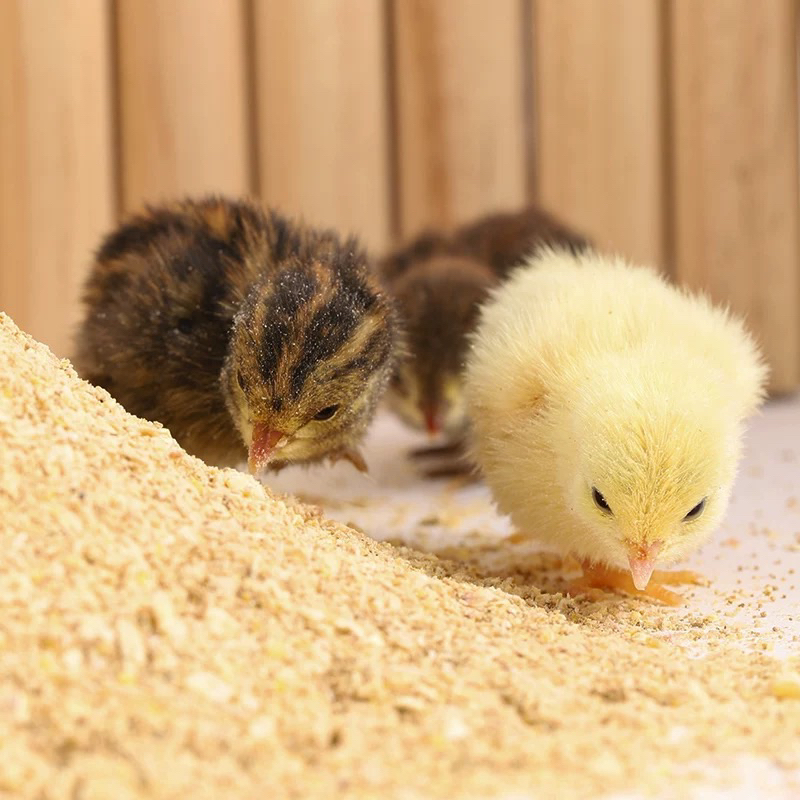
432, 422
263, 446
642, 559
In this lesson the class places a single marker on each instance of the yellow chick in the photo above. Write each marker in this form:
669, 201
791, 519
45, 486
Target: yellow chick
607, 410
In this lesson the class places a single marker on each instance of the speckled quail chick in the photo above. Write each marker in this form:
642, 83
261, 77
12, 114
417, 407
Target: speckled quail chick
247, 334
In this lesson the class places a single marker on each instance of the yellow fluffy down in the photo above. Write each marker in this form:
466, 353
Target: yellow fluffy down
170, 630
587, 373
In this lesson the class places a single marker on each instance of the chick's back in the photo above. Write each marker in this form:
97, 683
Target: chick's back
564, 317
160, 298
503, 240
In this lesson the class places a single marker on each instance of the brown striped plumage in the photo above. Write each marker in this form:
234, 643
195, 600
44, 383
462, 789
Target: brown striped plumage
219, 319
439, 280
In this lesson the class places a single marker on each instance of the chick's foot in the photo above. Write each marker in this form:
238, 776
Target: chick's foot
353, 456
445, 460
601, 576
453, 448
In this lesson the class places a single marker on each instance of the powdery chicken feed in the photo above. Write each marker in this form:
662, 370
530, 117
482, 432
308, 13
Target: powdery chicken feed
174, 630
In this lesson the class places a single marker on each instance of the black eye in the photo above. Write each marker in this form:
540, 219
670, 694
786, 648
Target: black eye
184, 325
240, 379
697, 510
326, 413
600, 501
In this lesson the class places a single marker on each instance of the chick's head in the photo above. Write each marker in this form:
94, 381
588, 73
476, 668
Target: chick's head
311, 350
438, 299
647, 465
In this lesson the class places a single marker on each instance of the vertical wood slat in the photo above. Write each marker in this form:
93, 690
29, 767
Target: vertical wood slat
182, 84
56, 178
735, 154
461, 140
599, 109
323, 134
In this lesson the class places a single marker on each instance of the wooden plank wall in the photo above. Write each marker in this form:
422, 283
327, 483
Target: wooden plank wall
56, 176
182, 99
461, 127
321, 90
734, 150
666, 129
597, 68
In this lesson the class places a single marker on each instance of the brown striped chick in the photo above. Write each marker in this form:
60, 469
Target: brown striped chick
439, 281
441, 296
247, 334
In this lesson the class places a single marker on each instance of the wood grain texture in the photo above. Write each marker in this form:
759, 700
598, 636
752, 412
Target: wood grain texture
182, 83
597, 71
459, 83
56, 181
323, 130
734, 109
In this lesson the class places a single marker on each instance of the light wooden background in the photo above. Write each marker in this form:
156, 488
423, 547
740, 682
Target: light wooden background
667, 129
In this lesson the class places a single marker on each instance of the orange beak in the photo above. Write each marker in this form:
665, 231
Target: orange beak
643, 561
432, 422
262, 447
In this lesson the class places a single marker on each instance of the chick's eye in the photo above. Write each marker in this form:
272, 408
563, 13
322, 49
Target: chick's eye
240, 379
326, 413
600, 501
697, 510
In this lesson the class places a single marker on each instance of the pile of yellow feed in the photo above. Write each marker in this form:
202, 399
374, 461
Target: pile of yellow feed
169, 630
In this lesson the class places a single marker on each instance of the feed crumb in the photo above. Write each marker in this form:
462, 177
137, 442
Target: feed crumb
731, 541
174, 630
787, 686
